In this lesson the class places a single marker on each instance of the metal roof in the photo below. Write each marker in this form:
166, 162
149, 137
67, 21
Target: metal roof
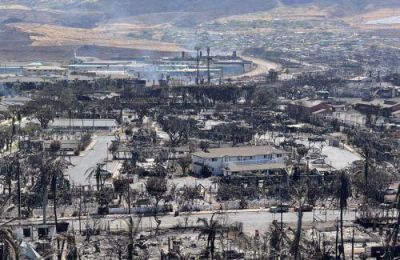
64, 122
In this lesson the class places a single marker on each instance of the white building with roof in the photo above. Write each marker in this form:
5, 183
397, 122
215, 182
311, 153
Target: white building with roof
98, 124
235, 160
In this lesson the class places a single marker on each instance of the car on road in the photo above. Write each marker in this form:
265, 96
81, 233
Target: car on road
391, 193
316, 139
305, 208
279, 208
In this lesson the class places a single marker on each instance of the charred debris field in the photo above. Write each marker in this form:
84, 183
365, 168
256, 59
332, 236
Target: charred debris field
199, 129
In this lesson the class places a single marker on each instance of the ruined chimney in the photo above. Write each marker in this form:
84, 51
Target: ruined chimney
197, 65
208, 66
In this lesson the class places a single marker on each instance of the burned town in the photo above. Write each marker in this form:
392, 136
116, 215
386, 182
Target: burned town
259, 130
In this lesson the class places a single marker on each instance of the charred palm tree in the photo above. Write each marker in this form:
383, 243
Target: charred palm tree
133, 228
7, 172
343, 192
13, 131
212, 229
301, 152
18, 172
301, 196
11, 248
10, 169
57, 177
157, 187
96, 173
392, 239
50, 174
69, 241
366, 153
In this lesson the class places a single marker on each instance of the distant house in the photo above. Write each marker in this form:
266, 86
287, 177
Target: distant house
176, 153
301, 109
378, 107
234, 160
237, 132
83, 124
310, 106
12, 101
33, 232
66, 146
43, 70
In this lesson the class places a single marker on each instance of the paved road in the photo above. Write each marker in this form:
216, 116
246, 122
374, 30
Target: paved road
252, 219
263, 66
90, 159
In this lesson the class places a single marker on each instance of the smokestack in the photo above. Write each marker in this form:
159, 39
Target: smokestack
201, 54
197, 65
208, 66
234, 54
183, 55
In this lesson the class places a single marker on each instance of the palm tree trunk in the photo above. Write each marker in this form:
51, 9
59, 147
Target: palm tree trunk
158, 221
12, 133
337, 241
341, 235
98, 172
130, 251
212, 249
19, 188
395, 233
297, 238
54, 184
9, 187
366, 172
44, 205
129, 199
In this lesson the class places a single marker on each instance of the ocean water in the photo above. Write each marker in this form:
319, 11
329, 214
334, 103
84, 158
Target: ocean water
388, 20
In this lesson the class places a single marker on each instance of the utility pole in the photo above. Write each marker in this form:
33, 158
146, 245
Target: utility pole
80, 210
281, 208
129, 198
19, 186
337, 240
352, 246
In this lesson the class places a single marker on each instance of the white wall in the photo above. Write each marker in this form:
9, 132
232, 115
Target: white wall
216, 165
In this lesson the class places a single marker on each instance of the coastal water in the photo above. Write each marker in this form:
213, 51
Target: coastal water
388, 20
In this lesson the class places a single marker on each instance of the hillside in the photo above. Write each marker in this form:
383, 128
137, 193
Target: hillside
87, 13
159, 26
122, 8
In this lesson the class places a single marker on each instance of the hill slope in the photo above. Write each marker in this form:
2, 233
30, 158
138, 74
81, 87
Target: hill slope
134, 7
28, 27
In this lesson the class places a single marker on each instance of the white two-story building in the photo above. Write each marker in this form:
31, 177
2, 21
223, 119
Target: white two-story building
235, 160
